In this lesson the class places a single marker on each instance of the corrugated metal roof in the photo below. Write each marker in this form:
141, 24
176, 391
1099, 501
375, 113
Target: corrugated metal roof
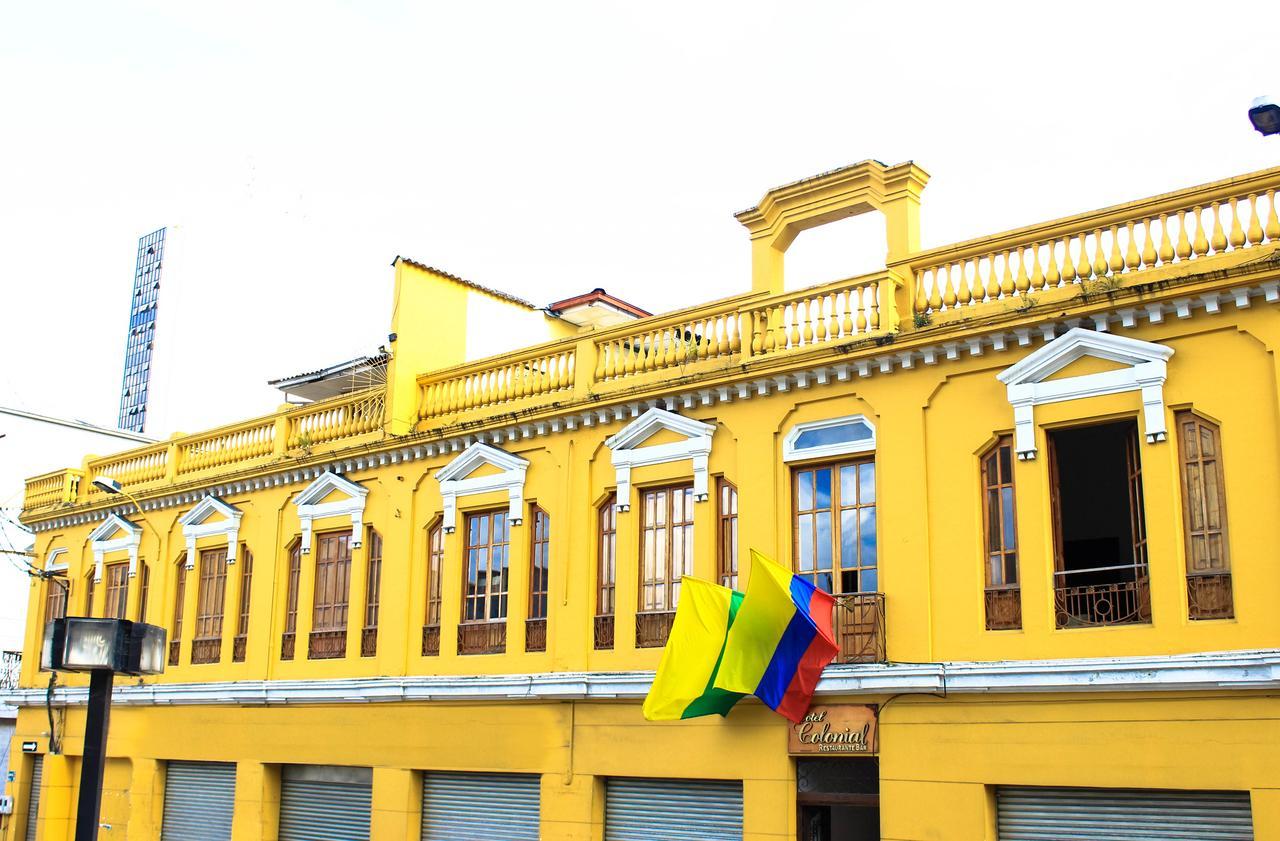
350, 366
471, 284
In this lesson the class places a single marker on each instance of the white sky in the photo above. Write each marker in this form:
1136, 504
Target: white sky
546, 148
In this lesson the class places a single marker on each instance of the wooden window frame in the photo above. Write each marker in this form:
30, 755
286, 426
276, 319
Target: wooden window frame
115, 602
654, 616
1074, 605
240, 642
1003, 600
488, 633
836, 508
727, 533
211, 604
144, 589
606, 572
179, 600
1209, 589
328, 638
57, 595
535, 626
492, 515
372, 592
293, 584
89, 587
435, 602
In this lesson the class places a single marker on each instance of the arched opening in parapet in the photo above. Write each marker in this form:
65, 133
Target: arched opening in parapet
845, 248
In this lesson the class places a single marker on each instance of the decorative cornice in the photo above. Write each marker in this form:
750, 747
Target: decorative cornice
505, 430
1210, 671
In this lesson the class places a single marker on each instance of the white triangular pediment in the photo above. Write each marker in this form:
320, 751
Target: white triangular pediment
114, 527
1078, 343
326, 484
208, 510
476, 456
653, 421
1143, 369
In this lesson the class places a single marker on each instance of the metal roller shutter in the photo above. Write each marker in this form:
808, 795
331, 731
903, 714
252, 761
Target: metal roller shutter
479, 807
672, 810
199, 799
1049, 814
33, 797
325, 803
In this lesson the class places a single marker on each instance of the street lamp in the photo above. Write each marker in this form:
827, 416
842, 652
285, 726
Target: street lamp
1264, 113
101, 647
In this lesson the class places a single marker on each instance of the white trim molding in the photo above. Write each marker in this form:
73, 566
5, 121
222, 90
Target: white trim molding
1205, 672
793, 451
1028, 388
195, 525
310, 507
51, 562
455, 481
627, 451
103, 540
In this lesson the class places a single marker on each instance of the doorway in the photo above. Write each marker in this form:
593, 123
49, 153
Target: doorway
838, 799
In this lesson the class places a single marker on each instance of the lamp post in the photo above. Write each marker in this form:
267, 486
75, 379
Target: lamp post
101, 647
1264, 113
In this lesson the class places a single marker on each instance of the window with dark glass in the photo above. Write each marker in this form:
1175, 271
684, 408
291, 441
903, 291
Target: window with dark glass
1100, 538
539, 564
1204, 508
55, 598
1000, 533
727, 536
835, 526
206, 646
117, 580
89, 586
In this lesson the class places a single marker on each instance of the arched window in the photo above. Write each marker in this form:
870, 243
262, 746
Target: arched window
535, 638
606, 571
435, 562
1000, 538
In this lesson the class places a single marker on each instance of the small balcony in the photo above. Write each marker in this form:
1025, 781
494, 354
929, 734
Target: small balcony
206, 650
327, 645
1004, 608
535, 635
1125, 601
482, 637
652, 629
430, 640
860, 628
603, 633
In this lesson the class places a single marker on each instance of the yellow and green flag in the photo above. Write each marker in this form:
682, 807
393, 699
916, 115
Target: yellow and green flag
685, 684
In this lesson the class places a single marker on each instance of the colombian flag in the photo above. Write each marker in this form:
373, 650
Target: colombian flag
685, 684
780, 640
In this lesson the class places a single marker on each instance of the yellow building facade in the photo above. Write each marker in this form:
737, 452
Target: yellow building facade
1038, 469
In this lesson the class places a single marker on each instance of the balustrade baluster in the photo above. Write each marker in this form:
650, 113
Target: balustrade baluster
992, 289
1273, 218
935, 292
1068, 263
1254, 234
921, 300
949, 291
1037, 274
1200, 242
963, 293
1099, 255
1006, 281
1116, 264
1021, 284
1237, 233
1052, 277
1183, 249
873, 296
1083, 269
1166, 246
1149, 244
1131, 257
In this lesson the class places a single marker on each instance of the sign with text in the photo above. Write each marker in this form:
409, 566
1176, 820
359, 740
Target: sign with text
835, 729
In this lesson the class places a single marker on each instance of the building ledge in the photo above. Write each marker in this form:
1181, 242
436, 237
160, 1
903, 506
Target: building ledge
1211, 671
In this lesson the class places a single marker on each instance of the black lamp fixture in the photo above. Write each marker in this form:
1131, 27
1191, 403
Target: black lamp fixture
103, 648
1264, 113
